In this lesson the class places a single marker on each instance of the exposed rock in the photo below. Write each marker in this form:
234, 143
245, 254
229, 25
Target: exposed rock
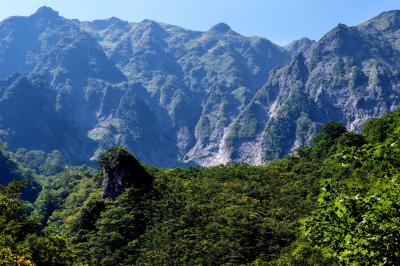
350, 75
93, 70
121, 170
177, 96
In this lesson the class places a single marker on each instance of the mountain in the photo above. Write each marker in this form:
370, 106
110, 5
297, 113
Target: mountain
165, 92
350, 75
177, 97
198, 82
63, 62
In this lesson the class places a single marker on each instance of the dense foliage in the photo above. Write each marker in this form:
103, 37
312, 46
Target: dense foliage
358, 221
40, 162
333, 203
22, 241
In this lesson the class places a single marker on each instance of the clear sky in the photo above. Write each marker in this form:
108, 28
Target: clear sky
278, 20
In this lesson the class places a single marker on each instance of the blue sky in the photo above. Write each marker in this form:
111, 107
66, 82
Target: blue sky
278, 20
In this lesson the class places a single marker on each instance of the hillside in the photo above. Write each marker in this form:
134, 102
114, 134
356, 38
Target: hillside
333, 203
12, 171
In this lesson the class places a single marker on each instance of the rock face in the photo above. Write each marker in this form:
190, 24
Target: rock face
121, 170
165, 92
350, 75
176, 96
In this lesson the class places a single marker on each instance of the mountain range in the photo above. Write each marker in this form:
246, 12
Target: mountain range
180, 97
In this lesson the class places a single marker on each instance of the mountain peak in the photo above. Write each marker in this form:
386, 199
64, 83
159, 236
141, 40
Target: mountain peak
386, 21
388, 15
150, 29
220, 28
104, 23
46, 11
299, 46
340, 41
148, 22
341, 30
115, 20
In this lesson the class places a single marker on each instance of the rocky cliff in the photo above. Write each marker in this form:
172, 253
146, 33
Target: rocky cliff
176, 96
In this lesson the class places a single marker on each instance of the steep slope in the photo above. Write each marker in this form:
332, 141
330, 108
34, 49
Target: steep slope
176, 96
198, 81
165, 92
29, 118
73, 69
350, 75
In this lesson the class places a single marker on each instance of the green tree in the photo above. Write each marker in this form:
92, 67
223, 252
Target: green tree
21, 239
325, 139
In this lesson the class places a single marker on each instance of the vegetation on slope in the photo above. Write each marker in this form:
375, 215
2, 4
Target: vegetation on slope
333, 203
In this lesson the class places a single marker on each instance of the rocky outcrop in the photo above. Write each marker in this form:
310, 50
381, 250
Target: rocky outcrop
121, 170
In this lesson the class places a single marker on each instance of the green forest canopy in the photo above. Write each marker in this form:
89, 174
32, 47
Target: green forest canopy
335, 202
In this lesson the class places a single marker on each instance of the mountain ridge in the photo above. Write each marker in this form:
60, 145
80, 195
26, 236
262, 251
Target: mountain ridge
178, 97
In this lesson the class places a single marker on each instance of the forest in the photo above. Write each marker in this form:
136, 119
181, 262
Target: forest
334, 202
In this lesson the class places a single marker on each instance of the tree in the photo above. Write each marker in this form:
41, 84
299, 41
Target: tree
357, 221
356, 228
327, 136
21, 238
